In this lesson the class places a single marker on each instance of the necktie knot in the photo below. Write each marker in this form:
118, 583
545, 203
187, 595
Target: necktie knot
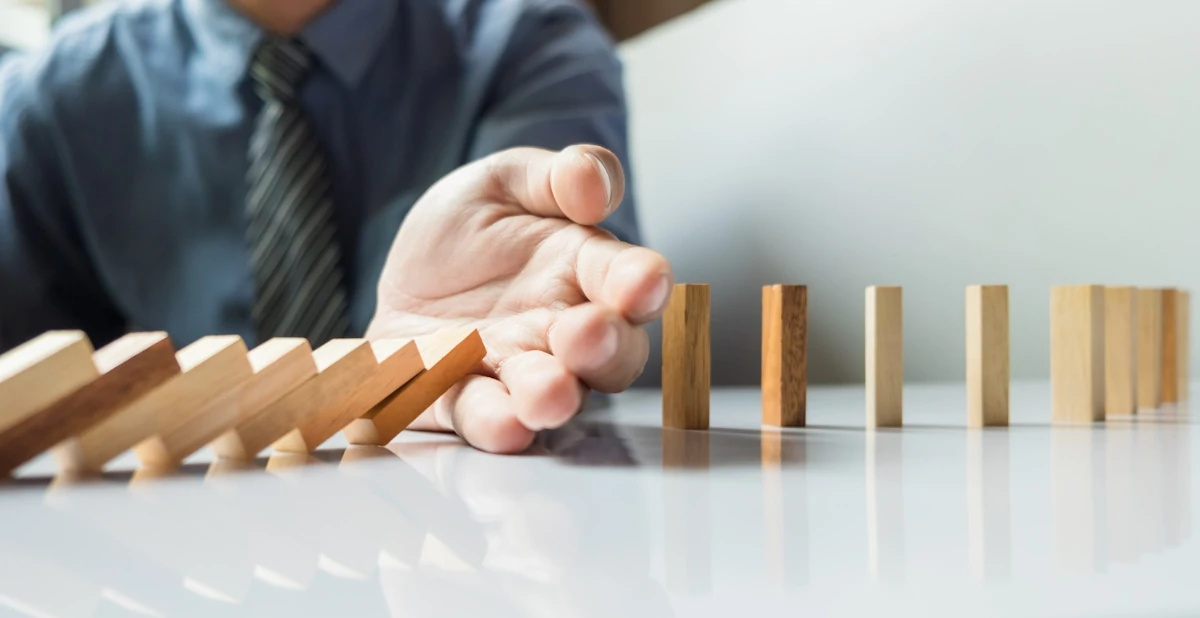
279, 67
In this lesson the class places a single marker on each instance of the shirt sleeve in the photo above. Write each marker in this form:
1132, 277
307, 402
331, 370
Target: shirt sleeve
47, 280
559, 83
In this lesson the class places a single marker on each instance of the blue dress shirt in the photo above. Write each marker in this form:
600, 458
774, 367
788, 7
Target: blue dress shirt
124, 145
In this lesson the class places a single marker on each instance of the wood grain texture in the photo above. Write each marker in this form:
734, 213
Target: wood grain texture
449, 355
129, 368
212, 375
1170, 346
784, 355
686, 358
1120, 350
1183, 350
987, 356
1149, 348
399, 361
342, 365
885, 356
41, 371
280, 366
1077, 353
208, 368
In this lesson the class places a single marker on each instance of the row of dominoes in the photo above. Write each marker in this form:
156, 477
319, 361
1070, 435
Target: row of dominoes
88, 406
1112, 351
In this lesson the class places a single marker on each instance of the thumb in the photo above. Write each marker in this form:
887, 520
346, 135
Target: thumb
582, 183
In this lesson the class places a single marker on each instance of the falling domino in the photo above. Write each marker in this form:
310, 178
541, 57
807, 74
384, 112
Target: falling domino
686, 357
1077, 353
987, 356
448, 356
280, 366
1149, 348
128, 368
209, 367
342, 365
784, 355
41, 371
398, 361
1120, 350
1170, 345
885, 356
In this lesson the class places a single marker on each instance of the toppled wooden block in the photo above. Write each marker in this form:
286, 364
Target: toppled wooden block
342, 365
41, 371
448, 355
210, 367
129, 368
399, 360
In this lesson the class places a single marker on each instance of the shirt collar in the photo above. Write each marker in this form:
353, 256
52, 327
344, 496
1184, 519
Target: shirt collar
345, 38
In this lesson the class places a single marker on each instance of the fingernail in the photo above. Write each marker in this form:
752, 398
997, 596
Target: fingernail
608, 205
608, 345
657, 299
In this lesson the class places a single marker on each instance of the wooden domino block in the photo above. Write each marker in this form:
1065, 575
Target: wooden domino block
128, 368
41, 371
209, 367
784, 355
686, 358
1077, 352
885, 356
280, 366
1183, 328
1120, 350
987, 356
448, 355
399, 361
1170, 345
342, 365
1149, 348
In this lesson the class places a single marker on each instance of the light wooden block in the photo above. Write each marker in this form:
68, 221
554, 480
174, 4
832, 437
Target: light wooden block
987, 356
784, 355
129, 368
1120, 350
399, 361
686, 358
1149, 348
41, 371
449, 356
209, 367
1170, 345
885, 356
342, 365
1077, 352
1185, 344
280, 366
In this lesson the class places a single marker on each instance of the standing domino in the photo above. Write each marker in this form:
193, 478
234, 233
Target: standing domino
987, 356
885, 356
1077, 352
784, 355
686, 358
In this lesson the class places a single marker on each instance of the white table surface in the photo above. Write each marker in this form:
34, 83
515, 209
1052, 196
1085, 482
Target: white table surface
612, 516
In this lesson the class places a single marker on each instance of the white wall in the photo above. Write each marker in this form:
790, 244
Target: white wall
925, 143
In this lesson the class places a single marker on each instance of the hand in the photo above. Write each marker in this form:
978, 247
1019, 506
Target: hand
507, 245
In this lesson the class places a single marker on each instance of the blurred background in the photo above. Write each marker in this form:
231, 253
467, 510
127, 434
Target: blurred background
929, 143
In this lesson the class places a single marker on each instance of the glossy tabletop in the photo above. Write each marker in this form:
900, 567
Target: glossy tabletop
613, 516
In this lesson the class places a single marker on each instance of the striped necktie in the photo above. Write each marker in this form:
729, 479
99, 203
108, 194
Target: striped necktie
293, 248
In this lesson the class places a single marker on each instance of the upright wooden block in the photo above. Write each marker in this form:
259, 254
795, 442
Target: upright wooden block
784, 355
1170, 345
687, 358
209, 368
1077, 352
1149, 348
885, 356
129, 368
449, 356
1184, 347
280, 366
41, 371
342, 365
399, 360
1120, 349
987, 356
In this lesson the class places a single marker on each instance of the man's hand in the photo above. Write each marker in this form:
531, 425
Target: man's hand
507, 245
